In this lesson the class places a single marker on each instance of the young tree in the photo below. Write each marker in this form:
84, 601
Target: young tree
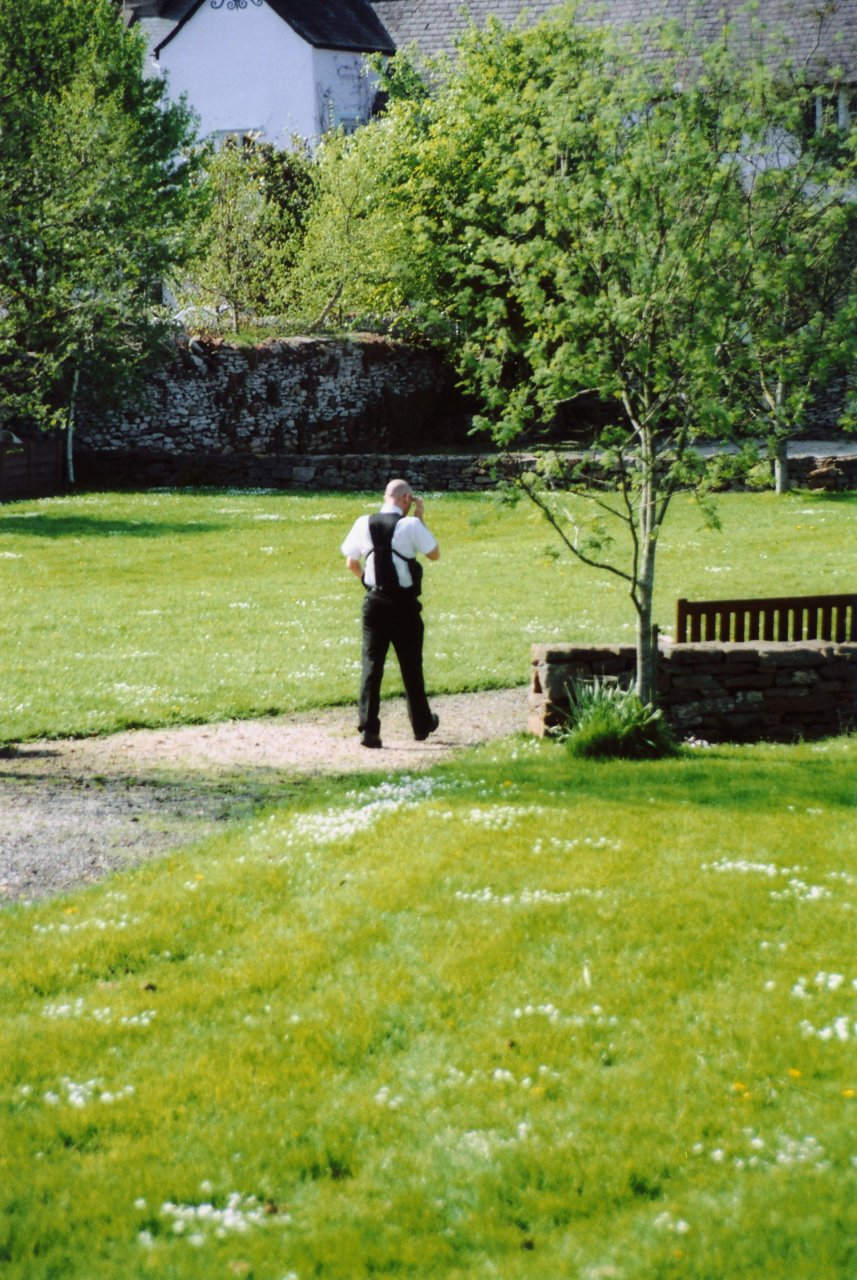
799, 211
96, 196
259, 200
354, 236
578, 227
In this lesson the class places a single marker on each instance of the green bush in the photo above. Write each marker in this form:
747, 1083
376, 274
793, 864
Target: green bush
607, 721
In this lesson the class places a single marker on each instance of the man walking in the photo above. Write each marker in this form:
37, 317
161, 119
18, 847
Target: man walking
382, 551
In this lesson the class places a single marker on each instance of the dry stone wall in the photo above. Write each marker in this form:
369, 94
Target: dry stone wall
350, 472
716, 692
282, 398
31, 466
310, 413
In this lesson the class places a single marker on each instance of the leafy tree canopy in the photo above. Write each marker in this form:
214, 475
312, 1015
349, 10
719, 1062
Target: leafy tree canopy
259, 201
96, 199
591, 215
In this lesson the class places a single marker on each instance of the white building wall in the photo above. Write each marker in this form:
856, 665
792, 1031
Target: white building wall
344, 89
243, 69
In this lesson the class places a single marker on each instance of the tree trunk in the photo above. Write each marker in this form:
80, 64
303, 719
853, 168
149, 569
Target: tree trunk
781, 447
646, 683
644, 575
319, 323
782, 483
69, 431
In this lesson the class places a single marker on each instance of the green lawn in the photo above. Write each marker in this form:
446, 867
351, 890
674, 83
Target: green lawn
521, 1017
170, 607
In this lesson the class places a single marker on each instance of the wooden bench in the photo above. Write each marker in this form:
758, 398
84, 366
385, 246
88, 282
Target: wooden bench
792, 618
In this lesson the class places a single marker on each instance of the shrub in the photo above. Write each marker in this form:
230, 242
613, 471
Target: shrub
609, 722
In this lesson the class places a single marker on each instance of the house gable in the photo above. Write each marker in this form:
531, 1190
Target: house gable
343, 25
247, 70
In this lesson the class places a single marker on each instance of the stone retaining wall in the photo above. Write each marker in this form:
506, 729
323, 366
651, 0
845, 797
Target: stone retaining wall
32, 467
141, 465
717, 692
290, 396
309, 413
351, 471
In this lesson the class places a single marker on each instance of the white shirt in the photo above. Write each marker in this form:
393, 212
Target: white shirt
410, 538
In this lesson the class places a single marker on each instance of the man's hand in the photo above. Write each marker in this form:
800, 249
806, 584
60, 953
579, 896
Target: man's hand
418, 508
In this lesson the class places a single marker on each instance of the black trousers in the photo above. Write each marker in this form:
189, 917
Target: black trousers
393, 618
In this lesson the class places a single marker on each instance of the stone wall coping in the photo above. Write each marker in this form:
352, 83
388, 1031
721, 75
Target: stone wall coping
580, 652
731, 650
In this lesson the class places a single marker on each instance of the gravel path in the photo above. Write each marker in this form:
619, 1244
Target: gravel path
73, 809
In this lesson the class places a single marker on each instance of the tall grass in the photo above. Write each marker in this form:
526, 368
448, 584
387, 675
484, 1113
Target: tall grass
174, 607
521, 1017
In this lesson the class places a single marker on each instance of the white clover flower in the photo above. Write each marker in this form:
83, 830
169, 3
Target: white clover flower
477, 1142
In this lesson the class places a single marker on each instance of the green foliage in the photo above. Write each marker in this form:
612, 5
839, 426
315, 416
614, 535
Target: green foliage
259, 202
565, 224
585, 218
506, 1018
180, 607
574, 204
96, 197
346, 275
609, 722
405, 78
799, 269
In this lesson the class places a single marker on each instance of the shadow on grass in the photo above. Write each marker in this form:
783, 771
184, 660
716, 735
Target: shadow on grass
715, 779
46, 526
834, 497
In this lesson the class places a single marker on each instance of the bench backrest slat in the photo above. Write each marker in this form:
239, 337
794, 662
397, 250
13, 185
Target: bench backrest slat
829, 618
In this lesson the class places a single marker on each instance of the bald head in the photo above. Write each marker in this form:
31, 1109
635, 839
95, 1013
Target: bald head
397, 490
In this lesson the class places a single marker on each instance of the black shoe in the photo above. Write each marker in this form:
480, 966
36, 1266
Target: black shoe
421, 737
370, 740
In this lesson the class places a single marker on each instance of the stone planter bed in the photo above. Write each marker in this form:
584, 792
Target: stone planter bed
718, 692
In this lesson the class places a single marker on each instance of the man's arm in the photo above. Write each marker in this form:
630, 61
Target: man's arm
352, 547
418, 509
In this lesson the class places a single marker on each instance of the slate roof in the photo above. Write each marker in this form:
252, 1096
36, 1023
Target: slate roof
350, 25
820, 35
